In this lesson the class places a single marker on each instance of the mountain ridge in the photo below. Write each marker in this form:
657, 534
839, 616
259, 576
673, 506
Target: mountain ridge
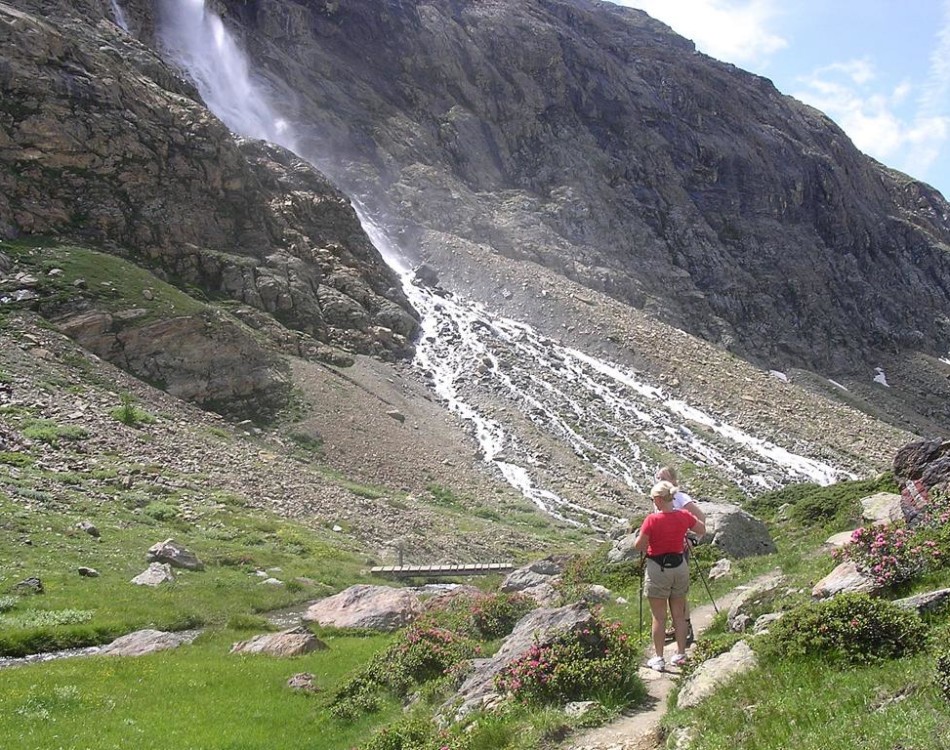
308, 260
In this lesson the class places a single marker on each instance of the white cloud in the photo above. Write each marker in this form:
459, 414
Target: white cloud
733, 30
933, 99
871, 117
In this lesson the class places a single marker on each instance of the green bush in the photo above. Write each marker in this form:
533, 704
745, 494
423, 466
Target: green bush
599, 662
424, 652
45, 618
850, 627
583, 570
495, 615
409, 734
245, 622
943, 672
8, 602
15, 458
161, 511
17, 643
47, 431
130, 415
815, 505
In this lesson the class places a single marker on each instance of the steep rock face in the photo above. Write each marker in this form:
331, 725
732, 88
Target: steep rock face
591, 139
101, 142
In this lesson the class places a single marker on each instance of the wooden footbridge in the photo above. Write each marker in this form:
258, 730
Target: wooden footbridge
441, 570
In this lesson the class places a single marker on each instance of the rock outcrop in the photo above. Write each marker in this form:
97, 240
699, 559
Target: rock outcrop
102, 143
590, 139
362, 606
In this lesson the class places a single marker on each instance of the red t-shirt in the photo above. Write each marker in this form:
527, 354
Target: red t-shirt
667, 531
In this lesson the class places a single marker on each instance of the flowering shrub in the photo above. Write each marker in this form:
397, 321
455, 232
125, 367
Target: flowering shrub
933, 524
425, 652
890, 555
599, 660
852, 627
494, 615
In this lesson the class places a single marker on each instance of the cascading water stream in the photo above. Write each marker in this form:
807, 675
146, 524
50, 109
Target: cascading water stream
601, 411
119, 17
198, 41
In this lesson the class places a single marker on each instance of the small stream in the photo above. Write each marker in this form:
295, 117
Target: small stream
69, 653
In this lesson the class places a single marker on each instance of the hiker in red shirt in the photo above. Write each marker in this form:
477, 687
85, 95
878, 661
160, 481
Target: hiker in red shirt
662, 537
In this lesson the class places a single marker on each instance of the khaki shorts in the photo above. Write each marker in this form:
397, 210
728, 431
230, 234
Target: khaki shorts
666, 583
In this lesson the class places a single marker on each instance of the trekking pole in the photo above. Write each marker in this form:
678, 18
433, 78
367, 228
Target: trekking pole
699, 569
640, 624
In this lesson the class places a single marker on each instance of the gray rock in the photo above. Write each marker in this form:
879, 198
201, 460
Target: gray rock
31, 585
747, 604
147, 641
175, 555
303, 682
735, 532
579, 709
155, 575
882, 508
545, 593
713, 673
720, 569
538, 627
88, 572
89, 528
293, 642
362, 606
846, 578
623, 550
535, 574
927, 602
762, 623
841, 539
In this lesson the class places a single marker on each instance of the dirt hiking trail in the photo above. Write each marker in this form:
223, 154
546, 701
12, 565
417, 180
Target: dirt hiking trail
638, 729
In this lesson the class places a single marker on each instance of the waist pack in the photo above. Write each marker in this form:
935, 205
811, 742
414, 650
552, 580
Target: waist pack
668, 560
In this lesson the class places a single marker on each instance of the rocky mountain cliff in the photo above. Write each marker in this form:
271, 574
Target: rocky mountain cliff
591, 140
573, 165
102, 142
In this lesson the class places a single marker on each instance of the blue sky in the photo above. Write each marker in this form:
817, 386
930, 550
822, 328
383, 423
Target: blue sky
878, 68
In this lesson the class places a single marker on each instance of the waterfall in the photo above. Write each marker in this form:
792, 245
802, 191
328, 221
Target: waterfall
118, 16
198, 42
604, 414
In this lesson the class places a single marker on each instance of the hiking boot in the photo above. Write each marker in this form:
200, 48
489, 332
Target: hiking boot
670, 635
657, 664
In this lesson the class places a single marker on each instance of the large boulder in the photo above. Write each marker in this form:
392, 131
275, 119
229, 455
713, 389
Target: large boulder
155, 575
293, 642
735, 532
756, 600
927, 602
918, 467
148, 641
363, 606
539, 627
882, 508
538, 580
846, 578
926, 460
623, 549
715, 672
172, 553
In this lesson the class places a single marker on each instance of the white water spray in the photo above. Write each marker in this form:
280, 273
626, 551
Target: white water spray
198, 41
119, 17
601, 411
